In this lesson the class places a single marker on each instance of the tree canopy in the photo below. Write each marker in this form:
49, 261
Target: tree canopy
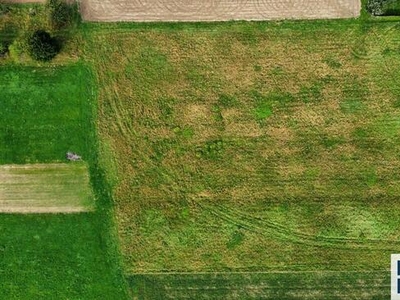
42, 46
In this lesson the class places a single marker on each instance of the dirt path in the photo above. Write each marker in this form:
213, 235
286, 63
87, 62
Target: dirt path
216, 10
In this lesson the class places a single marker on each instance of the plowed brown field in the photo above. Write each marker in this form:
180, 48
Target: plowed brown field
216, 10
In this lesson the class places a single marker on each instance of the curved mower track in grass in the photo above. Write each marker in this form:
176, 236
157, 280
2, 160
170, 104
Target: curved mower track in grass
270, 229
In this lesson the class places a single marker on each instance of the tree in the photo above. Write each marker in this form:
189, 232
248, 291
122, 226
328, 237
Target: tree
43, 47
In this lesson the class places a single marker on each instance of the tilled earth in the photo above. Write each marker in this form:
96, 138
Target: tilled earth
216, 10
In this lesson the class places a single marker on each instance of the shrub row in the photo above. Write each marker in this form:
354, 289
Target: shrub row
383, 7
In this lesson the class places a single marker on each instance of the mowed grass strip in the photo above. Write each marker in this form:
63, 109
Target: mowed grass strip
45, 188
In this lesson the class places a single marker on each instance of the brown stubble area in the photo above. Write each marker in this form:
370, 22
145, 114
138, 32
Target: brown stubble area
45, 188
221, 10
292, 168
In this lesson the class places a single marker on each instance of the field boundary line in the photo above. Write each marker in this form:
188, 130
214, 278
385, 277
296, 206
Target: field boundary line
255, 272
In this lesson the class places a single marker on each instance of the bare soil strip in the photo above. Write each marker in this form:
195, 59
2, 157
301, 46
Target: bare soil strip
45, 188
216, 10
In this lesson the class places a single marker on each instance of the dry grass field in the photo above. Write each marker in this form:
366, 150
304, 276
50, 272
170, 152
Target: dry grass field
216, 10
270, 146
45, 188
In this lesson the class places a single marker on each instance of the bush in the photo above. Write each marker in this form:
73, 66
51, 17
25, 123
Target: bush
15, 51
61, 14
42, 47
3, 49
392, 8
375, 7
383, 7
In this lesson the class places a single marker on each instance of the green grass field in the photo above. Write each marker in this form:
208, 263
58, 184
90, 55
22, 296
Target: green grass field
56, 257
45, 113
252, 147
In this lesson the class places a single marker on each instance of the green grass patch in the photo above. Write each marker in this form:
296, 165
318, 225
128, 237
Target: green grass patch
311, 93
45, 113
333, 63
56, 256
351, 106
263, 111
211, 149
